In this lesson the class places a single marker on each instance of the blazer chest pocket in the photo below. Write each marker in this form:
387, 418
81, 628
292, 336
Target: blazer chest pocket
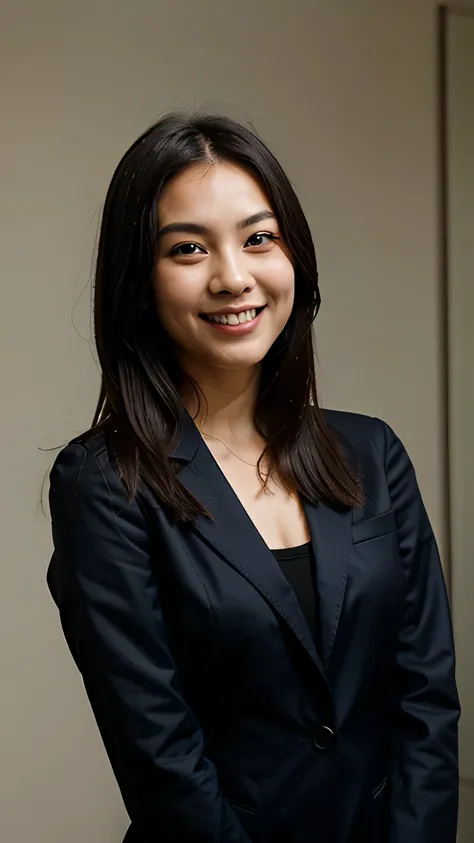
374, 528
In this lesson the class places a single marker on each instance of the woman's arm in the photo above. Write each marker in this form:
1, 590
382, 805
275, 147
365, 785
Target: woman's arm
424, 781
111, 613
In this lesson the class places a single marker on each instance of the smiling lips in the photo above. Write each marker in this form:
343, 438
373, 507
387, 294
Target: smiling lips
234, 323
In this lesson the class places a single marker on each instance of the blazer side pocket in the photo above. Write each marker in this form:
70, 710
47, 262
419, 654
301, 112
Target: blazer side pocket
377, 791
374, 528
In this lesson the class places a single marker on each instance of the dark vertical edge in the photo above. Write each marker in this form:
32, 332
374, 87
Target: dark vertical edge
443, 210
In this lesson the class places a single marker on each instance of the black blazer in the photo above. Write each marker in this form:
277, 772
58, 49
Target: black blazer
221, 720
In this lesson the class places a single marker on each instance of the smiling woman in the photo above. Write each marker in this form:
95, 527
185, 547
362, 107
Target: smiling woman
235, 281
249, 585
200, 220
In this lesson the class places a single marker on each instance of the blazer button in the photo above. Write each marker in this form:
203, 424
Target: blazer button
324, 738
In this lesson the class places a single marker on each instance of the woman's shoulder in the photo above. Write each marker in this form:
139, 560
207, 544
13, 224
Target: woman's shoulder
83, 459
362, 433
374, 450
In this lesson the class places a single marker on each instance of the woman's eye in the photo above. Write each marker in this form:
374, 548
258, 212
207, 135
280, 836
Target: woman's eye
262, 238
187, 250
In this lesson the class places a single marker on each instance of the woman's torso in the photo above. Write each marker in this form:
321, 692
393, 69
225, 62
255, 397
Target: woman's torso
299, 736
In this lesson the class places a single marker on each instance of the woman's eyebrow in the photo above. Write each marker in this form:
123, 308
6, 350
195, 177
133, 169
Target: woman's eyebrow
183, 228
196, 228
260, 216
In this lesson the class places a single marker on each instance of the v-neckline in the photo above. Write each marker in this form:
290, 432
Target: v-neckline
236, 538
232, 491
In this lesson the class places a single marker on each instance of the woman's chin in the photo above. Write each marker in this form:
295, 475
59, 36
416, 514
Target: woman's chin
236, 362
234, 358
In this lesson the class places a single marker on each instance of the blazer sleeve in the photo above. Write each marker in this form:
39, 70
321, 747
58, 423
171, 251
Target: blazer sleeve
110, 611
424, 780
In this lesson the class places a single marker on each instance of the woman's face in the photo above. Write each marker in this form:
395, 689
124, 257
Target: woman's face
224, 286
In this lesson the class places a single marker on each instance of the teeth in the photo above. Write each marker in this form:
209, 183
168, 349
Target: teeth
234, 318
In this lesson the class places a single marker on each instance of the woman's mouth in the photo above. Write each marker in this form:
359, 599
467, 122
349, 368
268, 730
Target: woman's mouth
234, 324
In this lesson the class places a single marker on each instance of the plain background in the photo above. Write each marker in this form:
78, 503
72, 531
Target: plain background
345, 94
460, 137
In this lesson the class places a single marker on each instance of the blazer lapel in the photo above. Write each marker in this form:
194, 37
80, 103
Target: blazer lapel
331, 534
235, 537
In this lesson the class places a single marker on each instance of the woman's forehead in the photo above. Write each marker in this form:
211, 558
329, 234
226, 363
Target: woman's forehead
208, 192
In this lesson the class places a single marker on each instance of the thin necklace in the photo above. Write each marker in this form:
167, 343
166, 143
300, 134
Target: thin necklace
214, 438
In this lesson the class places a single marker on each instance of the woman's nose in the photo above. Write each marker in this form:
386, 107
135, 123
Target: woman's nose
231, 277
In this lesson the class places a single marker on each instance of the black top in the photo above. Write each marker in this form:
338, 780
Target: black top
297, 566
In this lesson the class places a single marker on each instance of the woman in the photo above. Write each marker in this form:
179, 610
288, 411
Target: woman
249, 585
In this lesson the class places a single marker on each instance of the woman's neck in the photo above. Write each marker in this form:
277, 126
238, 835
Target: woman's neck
226, 404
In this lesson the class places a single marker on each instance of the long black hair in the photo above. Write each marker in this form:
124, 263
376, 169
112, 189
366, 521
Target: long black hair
139, 404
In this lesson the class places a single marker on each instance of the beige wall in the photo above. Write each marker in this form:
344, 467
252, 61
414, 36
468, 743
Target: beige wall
345, 93
460, 122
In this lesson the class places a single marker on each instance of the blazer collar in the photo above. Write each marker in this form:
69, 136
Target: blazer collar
189, 440
234, 536
331, 535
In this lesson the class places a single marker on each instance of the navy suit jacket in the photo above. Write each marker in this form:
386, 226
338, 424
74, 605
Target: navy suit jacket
221, 720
